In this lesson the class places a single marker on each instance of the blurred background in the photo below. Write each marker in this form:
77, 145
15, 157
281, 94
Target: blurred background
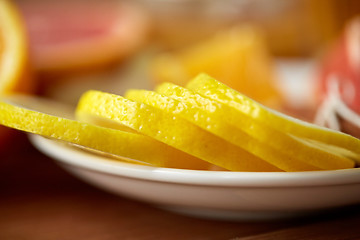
109, 44
262, 48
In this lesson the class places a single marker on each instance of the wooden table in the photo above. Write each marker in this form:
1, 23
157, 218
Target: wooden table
39, 200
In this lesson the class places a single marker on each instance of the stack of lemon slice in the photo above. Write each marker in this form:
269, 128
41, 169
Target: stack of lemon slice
219, 125
204, 125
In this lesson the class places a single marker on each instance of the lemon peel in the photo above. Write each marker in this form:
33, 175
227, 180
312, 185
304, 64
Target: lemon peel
286, 152
169, 129
15, 113
213, 89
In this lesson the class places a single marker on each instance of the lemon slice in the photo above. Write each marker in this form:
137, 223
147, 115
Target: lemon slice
292, 154
210, 118
170, 129
209, 87
13, 51
15, 113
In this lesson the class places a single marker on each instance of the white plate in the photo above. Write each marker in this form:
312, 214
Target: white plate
229, 195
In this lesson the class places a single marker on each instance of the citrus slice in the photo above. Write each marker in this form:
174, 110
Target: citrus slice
13, 51
15, 113
238, 56
213, 89
278, 148
170, 129
211, 118
72, 35
14, 74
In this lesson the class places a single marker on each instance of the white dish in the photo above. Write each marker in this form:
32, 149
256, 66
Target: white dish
229, 195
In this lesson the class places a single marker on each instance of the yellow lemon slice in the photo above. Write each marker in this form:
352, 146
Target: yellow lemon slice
15, 113
292, 154
210, 118
213, 89
170, 129
13, 50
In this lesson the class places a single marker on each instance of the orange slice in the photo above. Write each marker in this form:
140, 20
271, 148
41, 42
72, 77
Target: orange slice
14, 72
238, 56
13, 51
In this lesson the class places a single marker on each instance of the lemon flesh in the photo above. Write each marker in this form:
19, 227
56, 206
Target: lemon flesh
170, 129
15, 113
211, 88
280, 149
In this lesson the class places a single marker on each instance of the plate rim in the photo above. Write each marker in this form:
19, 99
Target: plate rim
71, 155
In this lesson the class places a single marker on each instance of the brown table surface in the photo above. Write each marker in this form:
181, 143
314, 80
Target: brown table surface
39, 200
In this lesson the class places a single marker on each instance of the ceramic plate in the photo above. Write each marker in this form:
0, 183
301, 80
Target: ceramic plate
221, 194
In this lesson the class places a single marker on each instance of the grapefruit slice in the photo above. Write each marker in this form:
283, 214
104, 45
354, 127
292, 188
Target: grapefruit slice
342, 62
68, 35
339, 83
